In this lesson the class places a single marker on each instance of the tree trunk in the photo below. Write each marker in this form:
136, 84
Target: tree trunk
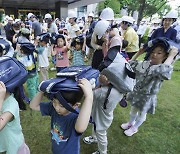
141, 10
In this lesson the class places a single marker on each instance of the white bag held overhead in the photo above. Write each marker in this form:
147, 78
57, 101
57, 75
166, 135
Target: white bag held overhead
118, 71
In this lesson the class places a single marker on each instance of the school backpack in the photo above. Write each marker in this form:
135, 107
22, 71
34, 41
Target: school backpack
167, 43
118, 71
12, 73
67, 80
4, 45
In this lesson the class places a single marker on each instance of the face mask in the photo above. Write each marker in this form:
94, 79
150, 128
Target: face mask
40, 49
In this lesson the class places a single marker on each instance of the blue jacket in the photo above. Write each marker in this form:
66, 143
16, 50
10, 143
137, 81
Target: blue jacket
170, 33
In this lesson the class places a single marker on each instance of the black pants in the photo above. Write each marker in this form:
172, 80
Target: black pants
97, 59
131, 54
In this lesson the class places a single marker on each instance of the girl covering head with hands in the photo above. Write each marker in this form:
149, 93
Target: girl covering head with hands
149, 77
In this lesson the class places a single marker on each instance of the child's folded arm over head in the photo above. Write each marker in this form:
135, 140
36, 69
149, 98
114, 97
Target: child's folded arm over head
35, 103
85, 112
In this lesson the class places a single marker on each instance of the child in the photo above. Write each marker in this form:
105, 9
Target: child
67, 127
27, 57
105, 101
61, 53
43, 60
11, 136
149, 77
78, 51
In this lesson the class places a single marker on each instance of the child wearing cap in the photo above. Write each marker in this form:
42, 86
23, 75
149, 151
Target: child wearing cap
149, 77
78, 51
67, 127
28, 57
61, 53
43, 52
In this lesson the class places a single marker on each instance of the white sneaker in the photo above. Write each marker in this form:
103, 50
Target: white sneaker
96, 152
89, 140
53, 69
126, 126
131, 131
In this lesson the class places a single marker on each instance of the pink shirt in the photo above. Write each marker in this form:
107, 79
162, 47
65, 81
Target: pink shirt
61, 57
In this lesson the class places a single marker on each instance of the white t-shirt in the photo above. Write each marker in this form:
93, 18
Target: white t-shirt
43, 58
72, 31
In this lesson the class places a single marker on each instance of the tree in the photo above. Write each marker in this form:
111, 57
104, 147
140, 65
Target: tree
146, 8
114, 4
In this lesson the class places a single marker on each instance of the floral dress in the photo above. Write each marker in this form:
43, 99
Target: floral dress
149, 79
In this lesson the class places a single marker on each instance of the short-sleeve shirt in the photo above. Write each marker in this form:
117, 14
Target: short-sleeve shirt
61, 57
64, 138
43, 58
72, 31
37, 28
11, 136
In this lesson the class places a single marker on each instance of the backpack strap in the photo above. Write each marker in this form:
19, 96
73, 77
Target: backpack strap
24, 97
66, 105
107, 95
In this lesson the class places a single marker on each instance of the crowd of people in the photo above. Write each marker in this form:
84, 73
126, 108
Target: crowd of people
39, 44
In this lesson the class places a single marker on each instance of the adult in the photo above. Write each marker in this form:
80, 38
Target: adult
51, 26
74, 30
177, 27
130, 35
155, 25
100, 44
141, 31
9, 29
166, 30
36, 26
100, 35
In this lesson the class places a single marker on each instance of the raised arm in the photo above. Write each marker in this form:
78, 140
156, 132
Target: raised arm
173, 52
140, 52
35, 103
85, 112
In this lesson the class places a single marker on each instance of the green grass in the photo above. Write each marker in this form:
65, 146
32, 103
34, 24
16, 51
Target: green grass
160, 134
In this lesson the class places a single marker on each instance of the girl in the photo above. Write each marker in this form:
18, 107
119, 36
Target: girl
78, 51
149, 77
61, 53
11, 136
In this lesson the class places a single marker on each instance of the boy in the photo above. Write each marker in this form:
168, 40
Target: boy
43, 52
67, 127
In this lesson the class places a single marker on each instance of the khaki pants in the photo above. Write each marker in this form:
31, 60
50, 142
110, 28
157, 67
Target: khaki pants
44, 73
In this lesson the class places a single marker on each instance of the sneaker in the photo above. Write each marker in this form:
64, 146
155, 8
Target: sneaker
89, 140
96, 152
126, 126
131, 131
53, 69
